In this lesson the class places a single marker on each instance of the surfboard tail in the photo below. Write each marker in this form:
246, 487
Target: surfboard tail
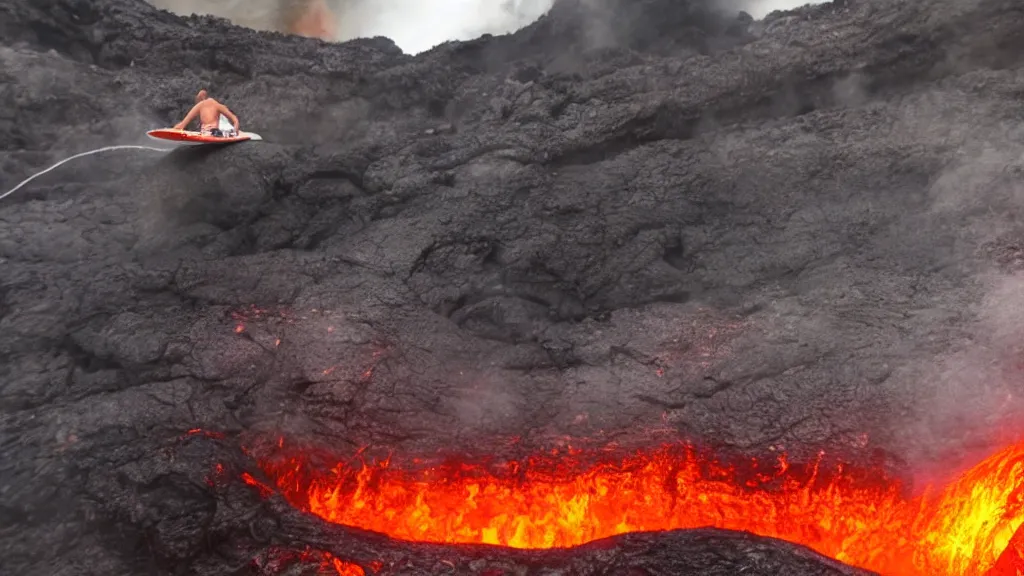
227, 126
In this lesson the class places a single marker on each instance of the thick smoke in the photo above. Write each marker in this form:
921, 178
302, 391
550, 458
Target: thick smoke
966, 398
415, 25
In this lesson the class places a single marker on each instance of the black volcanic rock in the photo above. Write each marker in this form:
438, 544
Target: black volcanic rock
797, 234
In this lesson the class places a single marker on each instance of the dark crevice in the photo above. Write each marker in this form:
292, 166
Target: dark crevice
493, 260
5, 308
680, 297
450, 310
718, 386
521, 195
313, 242
663, 404
87, 361
788, 99
436, 107
667, 123
447, 308
301, 387
675, 256
337, 174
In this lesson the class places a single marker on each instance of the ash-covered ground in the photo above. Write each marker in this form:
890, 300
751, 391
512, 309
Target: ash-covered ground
625, 221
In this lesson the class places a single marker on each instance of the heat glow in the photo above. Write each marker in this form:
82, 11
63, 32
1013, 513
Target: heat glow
566, 499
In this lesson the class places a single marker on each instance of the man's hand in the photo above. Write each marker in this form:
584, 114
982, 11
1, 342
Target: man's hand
179, 126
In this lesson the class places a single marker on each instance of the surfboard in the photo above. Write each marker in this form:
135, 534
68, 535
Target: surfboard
192, 138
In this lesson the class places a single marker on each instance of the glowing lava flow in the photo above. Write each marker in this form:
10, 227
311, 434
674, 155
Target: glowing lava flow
559, 501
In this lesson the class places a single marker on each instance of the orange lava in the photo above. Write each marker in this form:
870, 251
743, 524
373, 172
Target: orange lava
1011, 563
858, 517
343, 568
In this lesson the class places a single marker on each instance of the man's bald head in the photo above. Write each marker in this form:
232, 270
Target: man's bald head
201, 96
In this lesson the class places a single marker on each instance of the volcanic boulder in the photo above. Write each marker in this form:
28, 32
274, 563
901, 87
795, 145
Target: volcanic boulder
610, 228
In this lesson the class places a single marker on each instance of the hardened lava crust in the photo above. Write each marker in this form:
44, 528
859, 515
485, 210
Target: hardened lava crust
627, 224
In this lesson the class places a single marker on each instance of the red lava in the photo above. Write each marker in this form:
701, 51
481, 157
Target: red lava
970, 527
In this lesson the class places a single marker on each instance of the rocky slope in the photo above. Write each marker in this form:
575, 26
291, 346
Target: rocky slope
630, 217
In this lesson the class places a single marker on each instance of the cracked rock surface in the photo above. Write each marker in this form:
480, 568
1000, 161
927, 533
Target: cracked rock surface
801, 233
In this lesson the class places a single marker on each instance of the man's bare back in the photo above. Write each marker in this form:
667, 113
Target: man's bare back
208, 110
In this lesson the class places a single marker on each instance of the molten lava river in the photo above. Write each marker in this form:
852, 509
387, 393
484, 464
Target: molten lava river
971, 526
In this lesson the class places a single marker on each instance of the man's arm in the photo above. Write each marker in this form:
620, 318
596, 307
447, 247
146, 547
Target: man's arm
234, 119
188, 118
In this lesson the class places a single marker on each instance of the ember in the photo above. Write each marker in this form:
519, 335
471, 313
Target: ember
277, 560
547, 502
340, 567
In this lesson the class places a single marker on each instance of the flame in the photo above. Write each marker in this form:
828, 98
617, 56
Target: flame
975, 517
860, 517
206, 433
263, 488
1011, 563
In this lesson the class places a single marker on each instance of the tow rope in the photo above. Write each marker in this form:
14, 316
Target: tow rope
96, 151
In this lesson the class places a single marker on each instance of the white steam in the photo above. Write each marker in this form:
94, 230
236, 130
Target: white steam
419, 25
415, 25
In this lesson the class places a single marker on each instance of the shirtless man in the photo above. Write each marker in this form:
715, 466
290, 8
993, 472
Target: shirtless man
209, 111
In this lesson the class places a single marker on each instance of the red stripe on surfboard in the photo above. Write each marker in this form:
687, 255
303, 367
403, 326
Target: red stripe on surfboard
187, 136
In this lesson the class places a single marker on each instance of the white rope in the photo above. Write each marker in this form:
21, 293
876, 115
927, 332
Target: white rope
96, 151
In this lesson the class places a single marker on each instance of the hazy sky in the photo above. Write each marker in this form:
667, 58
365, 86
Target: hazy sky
418, 25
